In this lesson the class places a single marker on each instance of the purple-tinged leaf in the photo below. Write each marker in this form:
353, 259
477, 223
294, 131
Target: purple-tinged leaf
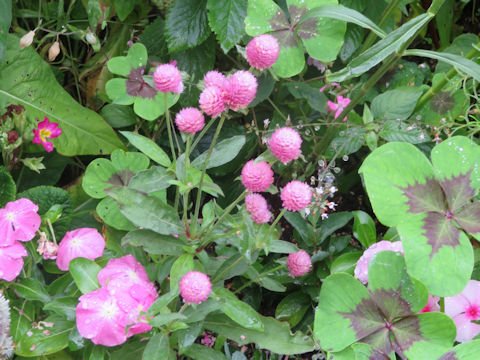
457, 190
425, 197
279, 21
406, 332
440, 231
465, 351
307, 29
380, 342
365, 318
137, 86
449, 356
442, 102
469, 218
391, 304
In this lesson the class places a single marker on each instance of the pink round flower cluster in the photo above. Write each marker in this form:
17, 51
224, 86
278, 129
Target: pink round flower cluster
258, 208
299, 263
257, 176
167, 78
19, 221
262, 51
103, 315
195, 287
285, 144
83, 242
296, 195
190, 120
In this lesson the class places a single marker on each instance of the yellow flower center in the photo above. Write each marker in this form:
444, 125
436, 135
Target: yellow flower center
44, 134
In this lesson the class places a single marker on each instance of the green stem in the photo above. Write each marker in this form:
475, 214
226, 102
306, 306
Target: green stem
275, 222
248, 283
50, 227
202, 133
442, 304
169, 129
186, 164
276, 108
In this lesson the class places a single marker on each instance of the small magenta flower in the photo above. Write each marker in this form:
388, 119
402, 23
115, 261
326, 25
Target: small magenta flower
299, 263
241, 89
190, 120
262, 51
167, 78
214, 78
296, 195
195, 287
46, 130
258, 208
18, 221
432, 305
361, 270
212, 101
83, 242
338, 107
11, 261
285, 144
257, 176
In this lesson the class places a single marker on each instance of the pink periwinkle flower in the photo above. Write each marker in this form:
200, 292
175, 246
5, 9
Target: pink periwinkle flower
167, 78
285, 144
83, 242
214, 78
296, 195
258, 208
190, 120
257, 176
46, 130
299, 263
212, 101
432, 304
241, 88
463, 308
339, 106
262, 51
11, 261
122, 272
361, 270
18, 221
195, 287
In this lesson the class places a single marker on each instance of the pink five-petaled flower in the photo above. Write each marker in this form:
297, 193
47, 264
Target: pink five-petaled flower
361, 270
240, 89
190, 120
299, 263
18, 221
214, 78
463, 308
212, 101
432, 304
11, 261
195, 287
167, 78
339, 106
258, 208
262, 51
296, 195
46, 130
83, 242
257, 176
285, 144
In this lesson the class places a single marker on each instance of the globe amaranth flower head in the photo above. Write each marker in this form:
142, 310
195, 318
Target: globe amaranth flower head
190, 120
262, 51
212, 101
257, 176
167, 78
195, 287
258, 208
83, 242
285, 144
361, 270
240, 88
46, 130
214, 78
296, 195
299, 263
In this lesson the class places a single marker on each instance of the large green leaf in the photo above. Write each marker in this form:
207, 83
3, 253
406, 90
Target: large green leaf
240, 312
222, 152
466, 351
27, 80
84, 272
397, 104
7, 187
158, 344
226, 19
32, 289
123, 8
154, 243
148, 147
5, 19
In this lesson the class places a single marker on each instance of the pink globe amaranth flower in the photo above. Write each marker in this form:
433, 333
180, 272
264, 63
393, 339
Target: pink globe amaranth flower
212, 101
339, 106
361, 270
167, 78
258, 208
195, 287
101, 319
18, 221
257, 176
46, 130
11, 261
214, 78
432, 305
83, 242
190, 120
285, 144
463, 308
240, 89
299, 263
262, 51
296, 195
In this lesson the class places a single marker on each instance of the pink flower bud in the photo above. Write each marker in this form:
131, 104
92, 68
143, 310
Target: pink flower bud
190, 120
167, 78
54, 51
262, 51
257, 176
285, 144
296, 195
195, 287
299, 263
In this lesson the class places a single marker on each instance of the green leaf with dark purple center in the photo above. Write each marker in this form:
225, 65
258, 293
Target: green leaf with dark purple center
440, 231
469, 218
425, 197
457, 190
442, 102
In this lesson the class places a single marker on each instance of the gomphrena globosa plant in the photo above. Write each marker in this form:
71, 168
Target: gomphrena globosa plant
6, 343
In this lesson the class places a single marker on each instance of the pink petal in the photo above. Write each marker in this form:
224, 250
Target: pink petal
11, 261
472, 292
18, 221
83, 242
455, 305
331, 106
126, 269
466, 330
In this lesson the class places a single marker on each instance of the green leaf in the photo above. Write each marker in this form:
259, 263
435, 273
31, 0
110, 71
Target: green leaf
300, 224
162, 319
64, 306
364, 229
292, 308
196, 61
383, 48
7, 187
465, 351
123, 8
397, 104
180, 267
345, 262
186, 25
153, 37
240, 312
32, 289
154, 243
157, 345
153, 179
266, 83
282, 247
148, 147
27, 80
315, 98
109, 212
5, 20
147, 211
331, 224
199, 352
259, 13
226, 19
118, 116
222, 153
84, 272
